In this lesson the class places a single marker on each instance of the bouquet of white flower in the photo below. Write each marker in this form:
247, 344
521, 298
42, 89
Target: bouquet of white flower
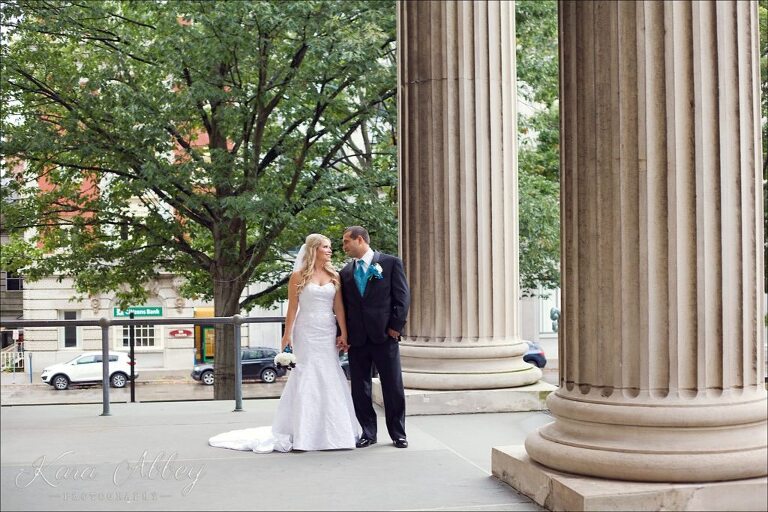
285, 360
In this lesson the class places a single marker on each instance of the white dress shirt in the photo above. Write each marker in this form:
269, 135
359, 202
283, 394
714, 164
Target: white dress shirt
367, 258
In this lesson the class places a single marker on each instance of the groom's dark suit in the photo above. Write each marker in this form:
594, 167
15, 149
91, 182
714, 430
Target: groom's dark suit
383, 305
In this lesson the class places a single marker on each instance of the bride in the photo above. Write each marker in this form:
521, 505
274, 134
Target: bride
315, 411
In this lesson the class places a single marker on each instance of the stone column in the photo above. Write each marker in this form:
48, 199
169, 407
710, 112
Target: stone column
458, 202
661, 328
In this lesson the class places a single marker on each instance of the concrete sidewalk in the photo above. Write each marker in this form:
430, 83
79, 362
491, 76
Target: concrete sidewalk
151, 386
163, 375
154, 456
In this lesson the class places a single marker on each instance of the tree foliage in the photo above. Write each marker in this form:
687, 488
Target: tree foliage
539, 147
235, 130
204, 141
539, 134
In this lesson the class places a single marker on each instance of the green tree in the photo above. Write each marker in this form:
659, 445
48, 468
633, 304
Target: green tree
539, 146
202, 141
537, 71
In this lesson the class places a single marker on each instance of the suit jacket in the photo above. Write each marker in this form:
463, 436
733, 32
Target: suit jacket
384, 304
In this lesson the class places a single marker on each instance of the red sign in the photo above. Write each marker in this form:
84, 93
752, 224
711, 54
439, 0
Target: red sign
180, 333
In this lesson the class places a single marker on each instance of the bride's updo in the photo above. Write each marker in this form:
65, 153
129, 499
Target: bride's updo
314, 241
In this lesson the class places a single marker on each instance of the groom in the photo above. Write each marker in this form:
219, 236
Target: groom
376, 300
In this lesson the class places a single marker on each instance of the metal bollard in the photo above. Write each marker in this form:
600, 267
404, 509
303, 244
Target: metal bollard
104, 323
132, 341
237, 320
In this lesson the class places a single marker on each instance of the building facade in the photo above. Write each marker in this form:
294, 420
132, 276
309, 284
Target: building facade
11, 290
171, 347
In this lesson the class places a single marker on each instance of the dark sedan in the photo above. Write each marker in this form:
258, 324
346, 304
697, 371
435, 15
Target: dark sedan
257, 363
344, 361
535, 355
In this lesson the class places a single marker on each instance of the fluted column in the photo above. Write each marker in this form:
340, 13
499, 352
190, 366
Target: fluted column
661, 327
458, 204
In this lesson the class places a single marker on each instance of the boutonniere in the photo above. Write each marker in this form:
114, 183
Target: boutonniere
375, 271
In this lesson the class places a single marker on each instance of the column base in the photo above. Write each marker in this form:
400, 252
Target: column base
420, 402
563, 491
708, 439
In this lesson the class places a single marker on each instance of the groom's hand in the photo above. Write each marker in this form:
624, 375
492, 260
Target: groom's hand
393, 334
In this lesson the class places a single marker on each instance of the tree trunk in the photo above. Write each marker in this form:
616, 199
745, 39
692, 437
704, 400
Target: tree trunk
226, 302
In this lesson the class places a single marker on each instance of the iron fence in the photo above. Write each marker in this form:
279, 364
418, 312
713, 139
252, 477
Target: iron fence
105, 323
12, 358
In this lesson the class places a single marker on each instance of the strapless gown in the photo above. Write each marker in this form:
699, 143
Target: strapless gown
315, 411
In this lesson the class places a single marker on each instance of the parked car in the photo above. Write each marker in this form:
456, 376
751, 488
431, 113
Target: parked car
535, 355
344, 361
257, 363
87, 368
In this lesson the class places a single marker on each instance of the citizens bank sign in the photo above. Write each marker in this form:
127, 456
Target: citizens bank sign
139, 311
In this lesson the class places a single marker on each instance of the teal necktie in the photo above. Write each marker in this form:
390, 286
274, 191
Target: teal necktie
360, 276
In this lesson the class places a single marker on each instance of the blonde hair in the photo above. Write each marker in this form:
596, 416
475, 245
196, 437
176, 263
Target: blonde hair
314, 241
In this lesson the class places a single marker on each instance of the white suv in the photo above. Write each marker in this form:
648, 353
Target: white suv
87, 368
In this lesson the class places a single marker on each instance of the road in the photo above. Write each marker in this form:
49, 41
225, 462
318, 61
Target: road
151, 391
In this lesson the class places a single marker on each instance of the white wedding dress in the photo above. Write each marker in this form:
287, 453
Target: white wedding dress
315, 411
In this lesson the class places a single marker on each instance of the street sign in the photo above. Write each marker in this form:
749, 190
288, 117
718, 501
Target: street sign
139, 311
180, 333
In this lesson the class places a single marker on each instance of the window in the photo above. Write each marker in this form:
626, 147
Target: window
14, 282
70, 335
144, 335
547, 325
88, 360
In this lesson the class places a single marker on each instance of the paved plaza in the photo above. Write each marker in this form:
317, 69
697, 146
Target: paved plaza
154, 456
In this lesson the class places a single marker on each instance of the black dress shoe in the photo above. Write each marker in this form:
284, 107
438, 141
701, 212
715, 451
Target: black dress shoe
400, 442
365, 442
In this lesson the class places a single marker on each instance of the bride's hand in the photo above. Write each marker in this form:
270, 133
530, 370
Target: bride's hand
286, 342
341, 343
